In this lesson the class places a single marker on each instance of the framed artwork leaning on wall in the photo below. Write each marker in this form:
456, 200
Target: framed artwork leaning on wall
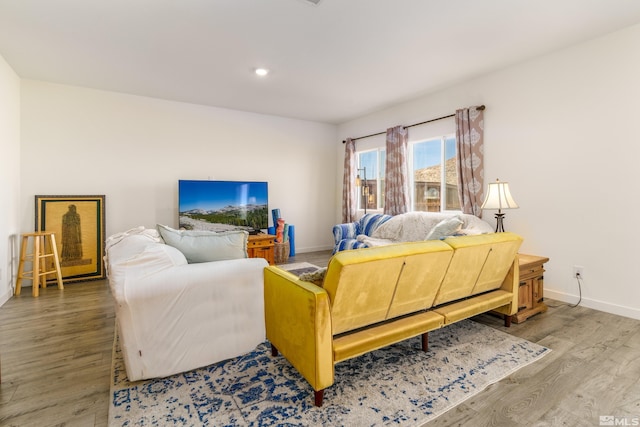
79, 228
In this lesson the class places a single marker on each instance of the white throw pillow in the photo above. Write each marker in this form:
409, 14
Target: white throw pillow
445, 228
205, 246
474, 225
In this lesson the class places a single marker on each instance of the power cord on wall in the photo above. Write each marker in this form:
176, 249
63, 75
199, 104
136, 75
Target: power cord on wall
578, 279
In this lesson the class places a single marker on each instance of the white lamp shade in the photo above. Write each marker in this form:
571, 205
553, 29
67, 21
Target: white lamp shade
499, 197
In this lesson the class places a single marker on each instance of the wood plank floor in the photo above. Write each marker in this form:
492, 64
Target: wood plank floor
55, 352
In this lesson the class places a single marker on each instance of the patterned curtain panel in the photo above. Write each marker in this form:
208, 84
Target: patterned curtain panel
349, 194
396, 190
470, 152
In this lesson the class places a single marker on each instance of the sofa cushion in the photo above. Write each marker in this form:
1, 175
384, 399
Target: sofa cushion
362, 284
480, 264
470, 307
205, 246
374, 337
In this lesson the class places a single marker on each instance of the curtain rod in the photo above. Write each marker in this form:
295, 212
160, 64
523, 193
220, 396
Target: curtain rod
480, 108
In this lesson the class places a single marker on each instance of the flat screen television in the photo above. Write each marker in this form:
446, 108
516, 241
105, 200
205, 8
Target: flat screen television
223, 205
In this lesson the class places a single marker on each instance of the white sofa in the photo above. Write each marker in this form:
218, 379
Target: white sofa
173, 316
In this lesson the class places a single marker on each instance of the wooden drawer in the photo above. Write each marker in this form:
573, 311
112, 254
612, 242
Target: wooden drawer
261, 246
531, 272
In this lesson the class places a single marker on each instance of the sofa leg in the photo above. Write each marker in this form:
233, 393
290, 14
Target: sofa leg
274, 350
507, 321
318, 395
425, 341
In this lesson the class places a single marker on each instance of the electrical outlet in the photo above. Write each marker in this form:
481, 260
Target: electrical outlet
578, 271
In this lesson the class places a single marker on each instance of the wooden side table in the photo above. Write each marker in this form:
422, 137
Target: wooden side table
261, 246
531, 293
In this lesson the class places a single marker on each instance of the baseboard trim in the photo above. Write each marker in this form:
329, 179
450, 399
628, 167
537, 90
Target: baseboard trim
6, 296
313, 249
607, 307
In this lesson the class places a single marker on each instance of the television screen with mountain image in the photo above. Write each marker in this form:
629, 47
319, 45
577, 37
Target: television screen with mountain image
223, 205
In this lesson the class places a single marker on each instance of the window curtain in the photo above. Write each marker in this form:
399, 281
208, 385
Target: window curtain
470, 153
396, 190
349, 193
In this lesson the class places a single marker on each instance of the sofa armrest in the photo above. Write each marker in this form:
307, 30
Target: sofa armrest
370, 222
348, 244
345, 231
298, 324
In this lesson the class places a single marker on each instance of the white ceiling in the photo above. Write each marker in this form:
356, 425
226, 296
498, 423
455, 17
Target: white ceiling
329, 63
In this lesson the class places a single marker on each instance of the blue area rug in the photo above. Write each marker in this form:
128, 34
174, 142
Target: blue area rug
399, 385
299, 268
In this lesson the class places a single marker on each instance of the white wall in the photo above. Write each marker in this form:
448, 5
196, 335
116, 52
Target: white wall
9, 176
562, 129
559, 128
134, 150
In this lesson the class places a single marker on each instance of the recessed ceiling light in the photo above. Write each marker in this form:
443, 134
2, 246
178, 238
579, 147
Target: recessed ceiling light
262, 71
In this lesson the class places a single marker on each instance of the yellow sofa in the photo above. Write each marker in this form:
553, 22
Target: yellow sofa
374, 297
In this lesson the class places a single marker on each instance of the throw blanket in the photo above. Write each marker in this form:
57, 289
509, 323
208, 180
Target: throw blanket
152, 233
372, 241
416, 226
114, 239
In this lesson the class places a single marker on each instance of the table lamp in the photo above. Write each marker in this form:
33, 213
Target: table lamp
499, 197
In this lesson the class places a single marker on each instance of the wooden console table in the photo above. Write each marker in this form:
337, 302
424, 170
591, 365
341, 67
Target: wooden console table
261, 246
531, 293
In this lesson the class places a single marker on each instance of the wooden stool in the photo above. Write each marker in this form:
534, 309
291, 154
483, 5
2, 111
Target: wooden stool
38, 274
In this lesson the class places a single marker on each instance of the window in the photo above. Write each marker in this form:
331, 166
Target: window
371, 166
435, 188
